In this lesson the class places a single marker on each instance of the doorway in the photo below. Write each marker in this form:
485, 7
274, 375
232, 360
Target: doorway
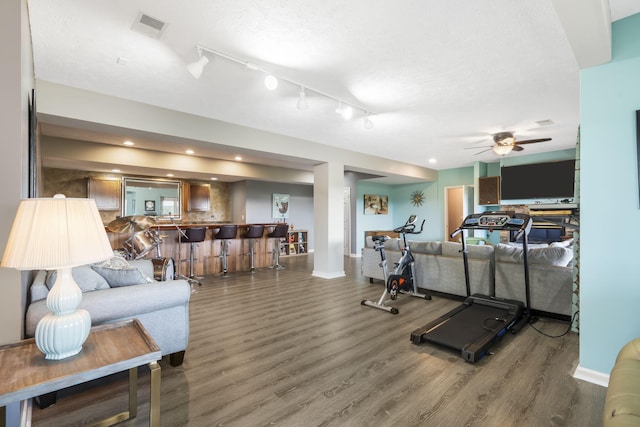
458, 202
347, 221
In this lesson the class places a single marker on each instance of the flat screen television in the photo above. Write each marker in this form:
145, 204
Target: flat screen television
551, 181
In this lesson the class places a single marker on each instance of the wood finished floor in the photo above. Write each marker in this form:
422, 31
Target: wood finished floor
287, 349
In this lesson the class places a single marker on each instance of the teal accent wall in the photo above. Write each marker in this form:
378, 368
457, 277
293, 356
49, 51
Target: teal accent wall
400, 207
610, 210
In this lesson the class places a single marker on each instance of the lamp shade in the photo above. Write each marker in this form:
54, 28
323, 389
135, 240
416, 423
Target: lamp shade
51, 233
58, 233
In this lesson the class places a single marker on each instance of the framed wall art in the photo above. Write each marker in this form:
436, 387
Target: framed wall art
280, 205
375, 204
149, 205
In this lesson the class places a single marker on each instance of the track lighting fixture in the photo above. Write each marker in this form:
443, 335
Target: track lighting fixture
271, 82
302, 100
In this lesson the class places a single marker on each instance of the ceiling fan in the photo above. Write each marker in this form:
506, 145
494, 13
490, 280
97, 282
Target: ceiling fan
505, 142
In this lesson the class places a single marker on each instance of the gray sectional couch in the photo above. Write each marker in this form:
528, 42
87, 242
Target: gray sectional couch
494, 270
114, 294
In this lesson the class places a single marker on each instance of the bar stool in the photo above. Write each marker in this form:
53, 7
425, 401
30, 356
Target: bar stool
253, 232
225, 233
279, 232
192, 236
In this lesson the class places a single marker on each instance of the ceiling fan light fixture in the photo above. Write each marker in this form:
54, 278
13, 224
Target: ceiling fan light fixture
504, 138
196, 68
502, 150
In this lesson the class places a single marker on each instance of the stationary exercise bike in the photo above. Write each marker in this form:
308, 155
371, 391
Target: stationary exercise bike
402, 279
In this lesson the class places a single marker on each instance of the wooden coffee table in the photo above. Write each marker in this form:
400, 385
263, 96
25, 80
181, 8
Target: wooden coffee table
110, 349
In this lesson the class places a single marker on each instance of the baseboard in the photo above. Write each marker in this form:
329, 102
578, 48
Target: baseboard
324, 275
591, 376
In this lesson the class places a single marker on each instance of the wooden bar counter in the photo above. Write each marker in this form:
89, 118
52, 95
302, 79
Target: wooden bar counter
207, 253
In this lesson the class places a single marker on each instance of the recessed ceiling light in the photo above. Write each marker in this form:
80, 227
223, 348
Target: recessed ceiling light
432, 160
115, 170
189, 151
213, 178
128, 143
238, 158
169, 174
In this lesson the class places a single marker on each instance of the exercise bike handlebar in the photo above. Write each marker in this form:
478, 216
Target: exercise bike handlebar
410, 228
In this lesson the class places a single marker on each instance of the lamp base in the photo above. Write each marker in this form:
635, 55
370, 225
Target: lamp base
61, 333
60, 336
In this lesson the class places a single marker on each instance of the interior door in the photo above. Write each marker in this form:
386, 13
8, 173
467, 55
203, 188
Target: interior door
458, 202
453, 214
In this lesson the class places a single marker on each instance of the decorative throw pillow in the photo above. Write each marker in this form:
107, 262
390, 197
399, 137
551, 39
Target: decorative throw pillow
555, 256
117, 261
563, 244
117, 277
551, 256
87, 279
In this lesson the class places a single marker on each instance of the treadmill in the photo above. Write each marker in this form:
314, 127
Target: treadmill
473, 327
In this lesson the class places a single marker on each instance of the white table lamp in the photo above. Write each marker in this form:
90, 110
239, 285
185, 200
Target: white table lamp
58, 234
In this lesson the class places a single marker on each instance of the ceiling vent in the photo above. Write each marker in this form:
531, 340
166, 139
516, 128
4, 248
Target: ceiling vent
547, 122
149, 26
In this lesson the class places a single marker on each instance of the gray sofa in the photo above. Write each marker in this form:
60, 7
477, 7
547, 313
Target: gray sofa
494, 270
114, 294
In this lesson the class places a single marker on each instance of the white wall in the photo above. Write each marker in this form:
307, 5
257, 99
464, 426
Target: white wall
16, 81
258, 204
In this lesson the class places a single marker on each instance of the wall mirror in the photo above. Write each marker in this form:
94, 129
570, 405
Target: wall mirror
153, 197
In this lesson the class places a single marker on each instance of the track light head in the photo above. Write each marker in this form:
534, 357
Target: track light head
271, 82
368, 124
302, 100
346, 111
196, 68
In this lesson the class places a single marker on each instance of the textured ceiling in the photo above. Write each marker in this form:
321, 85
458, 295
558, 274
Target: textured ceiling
439, 77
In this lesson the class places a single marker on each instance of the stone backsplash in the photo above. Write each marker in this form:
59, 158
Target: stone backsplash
73, 183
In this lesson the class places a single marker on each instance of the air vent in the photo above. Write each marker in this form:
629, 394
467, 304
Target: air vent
149, 25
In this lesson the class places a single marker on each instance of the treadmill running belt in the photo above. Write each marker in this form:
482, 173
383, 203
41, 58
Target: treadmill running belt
468, 325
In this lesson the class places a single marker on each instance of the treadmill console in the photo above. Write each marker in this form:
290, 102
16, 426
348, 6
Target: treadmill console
496, 221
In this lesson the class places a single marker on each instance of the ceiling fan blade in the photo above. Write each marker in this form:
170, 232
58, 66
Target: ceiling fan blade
483, 151
480, 146
516, 148
532, 141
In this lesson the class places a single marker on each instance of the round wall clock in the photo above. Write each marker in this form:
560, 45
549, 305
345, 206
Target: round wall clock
417, 198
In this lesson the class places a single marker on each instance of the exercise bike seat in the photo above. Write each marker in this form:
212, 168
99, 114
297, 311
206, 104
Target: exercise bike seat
380, 239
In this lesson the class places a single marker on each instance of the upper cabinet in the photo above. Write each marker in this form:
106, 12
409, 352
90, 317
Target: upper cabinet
197, 197
106, 193
489, 190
